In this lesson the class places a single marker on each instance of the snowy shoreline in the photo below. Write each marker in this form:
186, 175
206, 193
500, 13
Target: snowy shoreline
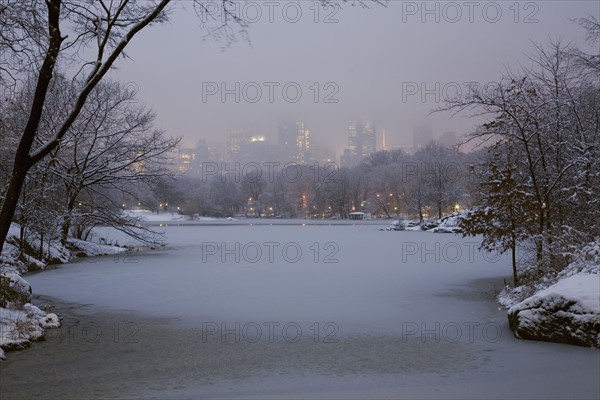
21, 322
564, 308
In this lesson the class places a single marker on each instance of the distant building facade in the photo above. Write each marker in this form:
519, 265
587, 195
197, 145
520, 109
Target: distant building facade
295, 143
362, 142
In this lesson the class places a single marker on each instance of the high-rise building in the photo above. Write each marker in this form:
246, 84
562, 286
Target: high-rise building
236, 141
295, 144
185, 160
245, 146
362, 141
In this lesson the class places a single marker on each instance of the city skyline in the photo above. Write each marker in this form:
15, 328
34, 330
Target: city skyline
296, 144
396, 70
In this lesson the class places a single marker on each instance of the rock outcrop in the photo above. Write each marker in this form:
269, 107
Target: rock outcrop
566, 312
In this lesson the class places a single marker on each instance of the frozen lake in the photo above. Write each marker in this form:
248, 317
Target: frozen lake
291, 311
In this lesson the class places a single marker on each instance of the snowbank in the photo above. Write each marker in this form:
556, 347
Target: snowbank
561, 308
566, 312
18, 328
14, 290
20, 321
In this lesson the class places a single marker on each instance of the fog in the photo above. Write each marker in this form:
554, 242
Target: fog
362, 60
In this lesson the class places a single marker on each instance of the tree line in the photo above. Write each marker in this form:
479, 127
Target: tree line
430, 183
540, 183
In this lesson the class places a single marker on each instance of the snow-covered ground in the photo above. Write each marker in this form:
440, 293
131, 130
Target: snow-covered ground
165, 216
299, 311
20, 321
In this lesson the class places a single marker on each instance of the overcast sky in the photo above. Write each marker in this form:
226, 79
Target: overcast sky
366, 61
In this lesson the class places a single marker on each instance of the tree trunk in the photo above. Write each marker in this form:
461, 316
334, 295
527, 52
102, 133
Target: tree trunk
64, 229
66, 225
514, 263
11, 201
41, 251
23, 161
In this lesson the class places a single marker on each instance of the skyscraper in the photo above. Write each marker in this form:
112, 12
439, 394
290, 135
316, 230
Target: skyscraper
245, 146
294, 142
362, 141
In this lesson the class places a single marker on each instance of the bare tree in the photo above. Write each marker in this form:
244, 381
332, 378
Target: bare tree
32, 41
88, 37
545, 188
112, 145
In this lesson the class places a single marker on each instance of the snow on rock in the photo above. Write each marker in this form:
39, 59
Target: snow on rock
20, 321
397, 225
583, 261
452, 220
447, 224
46, 320
15, 291
18, 328
566, 312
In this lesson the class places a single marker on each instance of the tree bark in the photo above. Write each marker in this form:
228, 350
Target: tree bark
23, 161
